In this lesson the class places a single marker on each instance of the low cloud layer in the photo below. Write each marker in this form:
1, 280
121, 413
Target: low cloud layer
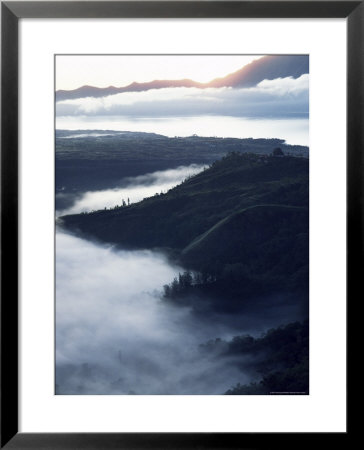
88, 135
279, 98
114, 335
134, 189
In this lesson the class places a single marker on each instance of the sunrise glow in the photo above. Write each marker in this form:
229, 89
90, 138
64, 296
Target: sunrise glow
74, 71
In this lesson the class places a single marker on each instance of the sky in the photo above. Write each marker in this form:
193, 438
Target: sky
74, 71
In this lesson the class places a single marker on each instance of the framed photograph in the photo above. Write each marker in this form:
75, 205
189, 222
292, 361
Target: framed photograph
181, 222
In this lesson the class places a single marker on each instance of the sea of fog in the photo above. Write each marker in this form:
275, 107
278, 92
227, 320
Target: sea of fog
116, 335
293, 130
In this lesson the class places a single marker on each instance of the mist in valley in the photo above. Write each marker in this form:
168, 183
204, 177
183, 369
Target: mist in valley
116, 335
131, 190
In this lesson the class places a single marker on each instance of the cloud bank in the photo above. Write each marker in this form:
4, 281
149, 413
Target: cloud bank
278, 98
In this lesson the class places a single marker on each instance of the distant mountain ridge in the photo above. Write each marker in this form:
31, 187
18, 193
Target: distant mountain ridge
269, 67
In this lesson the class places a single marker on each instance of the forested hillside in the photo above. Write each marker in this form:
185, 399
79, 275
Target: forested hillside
240, 228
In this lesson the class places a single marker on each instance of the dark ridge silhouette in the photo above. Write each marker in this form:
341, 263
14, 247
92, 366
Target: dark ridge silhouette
91, 91
269, 67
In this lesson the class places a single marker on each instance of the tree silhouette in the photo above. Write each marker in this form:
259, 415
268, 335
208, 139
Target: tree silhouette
278, 152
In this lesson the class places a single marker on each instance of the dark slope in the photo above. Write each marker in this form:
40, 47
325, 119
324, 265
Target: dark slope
279, 359
275, 229
268, 67
242, 225
177, 218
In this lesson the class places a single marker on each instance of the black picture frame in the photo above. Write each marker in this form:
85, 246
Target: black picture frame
11, 12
